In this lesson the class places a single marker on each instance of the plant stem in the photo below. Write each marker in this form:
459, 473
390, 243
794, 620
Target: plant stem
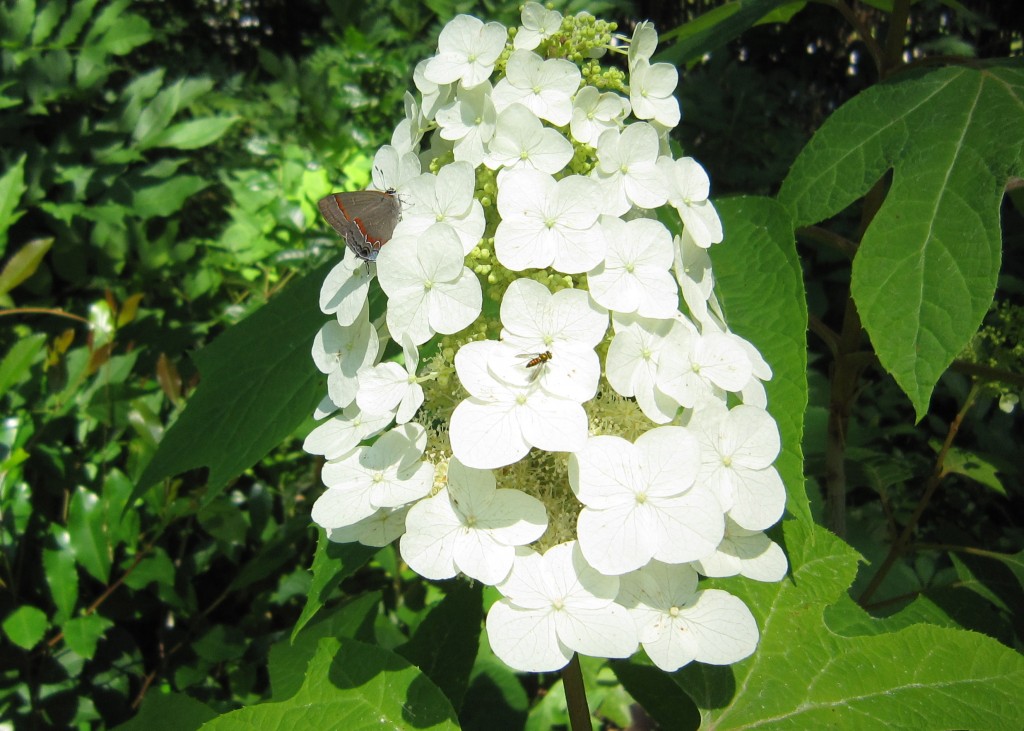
900, 544
576, 696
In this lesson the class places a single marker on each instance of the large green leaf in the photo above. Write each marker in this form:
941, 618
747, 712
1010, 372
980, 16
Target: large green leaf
805, 675
349, 686
258, 385
759, 282
925, 273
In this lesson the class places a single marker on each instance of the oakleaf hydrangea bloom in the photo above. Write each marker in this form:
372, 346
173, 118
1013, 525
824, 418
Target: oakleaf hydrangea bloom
533, 385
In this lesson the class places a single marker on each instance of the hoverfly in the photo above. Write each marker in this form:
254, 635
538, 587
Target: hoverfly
535, 360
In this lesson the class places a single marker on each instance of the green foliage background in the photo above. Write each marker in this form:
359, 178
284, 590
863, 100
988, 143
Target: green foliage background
160, 165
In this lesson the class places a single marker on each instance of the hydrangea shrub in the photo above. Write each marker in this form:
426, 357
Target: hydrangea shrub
551, 402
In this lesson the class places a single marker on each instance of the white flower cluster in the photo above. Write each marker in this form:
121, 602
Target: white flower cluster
592, 438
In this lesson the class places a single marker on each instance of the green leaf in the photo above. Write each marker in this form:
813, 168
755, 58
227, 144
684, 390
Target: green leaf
446, 641
156, 567
153, 120
88, 531
332, 563
25, 626
172, 712
16, 365
974, 467
803, 675
258, 385
82, 634
47, 18
61, 573
130, 32
12, 187
760, 285
167, 197
351, 685
925, 271
495, 699
16, 21
715, 28
193, 134
659, 696
23, 264
288, 659
81, 11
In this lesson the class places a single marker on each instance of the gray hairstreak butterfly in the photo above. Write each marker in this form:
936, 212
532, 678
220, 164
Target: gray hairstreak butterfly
366, 219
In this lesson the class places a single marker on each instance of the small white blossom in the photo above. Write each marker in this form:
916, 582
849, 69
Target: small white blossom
470, 527
469, 123
641, 501
627, 168
521, 141
693, 272
566, 324
545, 87
539, 24
594, 112
651, 90
434, 96
341, 351
643, 44
429, 290
747, 553
678, 624
407, 135
342, 433
443, 198
692, 365
388, 386
545, 223
634, 277
344, 291
501, 420
554, 605
466, 52
393, 169
738, 447
378, 530
632, 364
387, 474
688, 190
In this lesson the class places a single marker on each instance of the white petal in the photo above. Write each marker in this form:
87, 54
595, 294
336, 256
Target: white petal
525, 639
486, 435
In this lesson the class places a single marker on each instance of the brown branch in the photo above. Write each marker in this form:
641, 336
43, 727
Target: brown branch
899, 547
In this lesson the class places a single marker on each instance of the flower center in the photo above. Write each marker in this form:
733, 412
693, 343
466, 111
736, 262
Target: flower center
624, 169
520, 399
673, 612
537, 88
727, 460
630, 267
471, 58
646, 354
558, 605
428, 285
378, 477
695, 367
641, 498
550, 222
524, 155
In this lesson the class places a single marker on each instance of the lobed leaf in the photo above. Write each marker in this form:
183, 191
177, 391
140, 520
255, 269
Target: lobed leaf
926, 270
